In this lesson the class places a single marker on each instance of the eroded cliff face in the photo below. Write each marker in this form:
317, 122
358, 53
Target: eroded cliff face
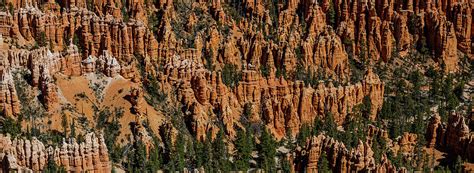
10, 104
32, 155
278, 103
93, 32
275, 50
453, 137
341, 159
360, 157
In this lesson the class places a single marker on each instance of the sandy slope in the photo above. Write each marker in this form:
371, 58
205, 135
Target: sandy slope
114, 94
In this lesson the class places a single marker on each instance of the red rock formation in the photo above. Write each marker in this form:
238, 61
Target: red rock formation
71, 63
32, 155
340, 158
96, 33
462, 20
407, 143
444, 40
9, 103
454, 138
49, 90
433, 130
88, 64
314, 36
401, 32
284, 104
326, 53
108, 65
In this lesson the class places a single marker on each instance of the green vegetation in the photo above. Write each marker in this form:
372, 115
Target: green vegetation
136, 157
154, 94
267, 151
281, 72
31, 109
231, 75
265, 71
323, 164
77, 41
41, 40
155, 160
90, 5
52, 167
331, 16
108, 122
209, 66
10, 126
124, 11
154, 20
244, 145
308, 77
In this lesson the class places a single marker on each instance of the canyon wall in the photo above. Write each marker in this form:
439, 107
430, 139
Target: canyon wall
454, 137
277, 103
32, 155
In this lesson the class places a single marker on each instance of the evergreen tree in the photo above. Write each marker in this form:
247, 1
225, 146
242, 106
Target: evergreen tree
52, 167
64, 124
220, 152
180, 152
379, 147
330, 125
304, 133
201, 155
244, 147
267, 151
331, 17
72, 128
366, 107
137, 157
323, 164
448, 91
458, 165
231, 75
317, 126
41, 39
155, 159
210, 163
285, 164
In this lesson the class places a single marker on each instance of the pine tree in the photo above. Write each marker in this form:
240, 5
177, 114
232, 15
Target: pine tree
331, 17
41, 39
64, 124
244, 147
10, 126
52, 167
72, 133
323, 165
267, 151
220, 152
317, 126
458, 165
330, 125
285, 164
137, 157
201, 155
231, 75
366, 107
210, 162
180, 152
154, 162
304, 133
